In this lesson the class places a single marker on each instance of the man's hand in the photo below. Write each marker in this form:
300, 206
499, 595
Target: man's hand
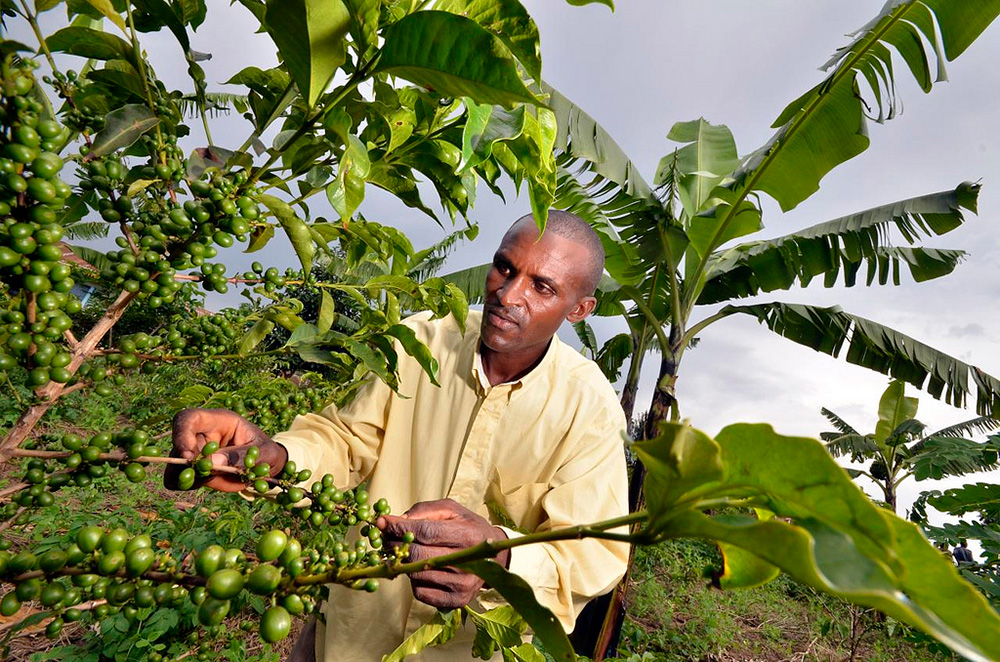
442, 527
193, 428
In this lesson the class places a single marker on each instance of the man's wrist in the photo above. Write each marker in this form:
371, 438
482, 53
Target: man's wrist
503, 556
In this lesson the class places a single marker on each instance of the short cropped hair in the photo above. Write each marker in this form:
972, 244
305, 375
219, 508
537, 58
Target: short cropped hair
574, 228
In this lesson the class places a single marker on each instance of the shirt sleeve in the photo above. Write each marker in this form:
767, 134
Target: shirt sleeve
344, 442
591, 486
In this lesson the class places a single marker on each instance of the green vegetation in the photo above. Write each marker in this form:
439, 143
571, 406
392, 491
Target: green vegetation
676, 615
390, 94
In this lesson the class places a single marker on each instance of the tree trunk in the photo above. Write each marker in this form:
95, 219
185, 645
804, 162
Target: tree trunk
51, 392
614, 613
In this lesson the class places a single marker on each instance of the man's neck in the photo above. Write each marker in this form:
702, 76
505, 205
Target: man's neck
502, 368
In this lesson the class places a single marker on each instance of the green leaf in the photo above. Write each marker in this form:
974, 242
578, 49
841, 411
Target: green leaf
838, 541
880, 348
507, 19
94, 257
415, 348
364, 23
192, 396
937, 457
326, 311
743, 569
728, 218
139, 185
303, 333
109, 12
259, 236
708, 156
440, 629
374, 362
438, 160
612, 355
893, 408
826, 126
453, 56
501, 627
586, 335
255, 335
75, 209
117, 74
519, 595
580, 3
85, 42
192, 12
399, 181
296, 229
309, 35
486, 125
974, 498
523, 653
843, 245
457, 304
165, 15
347, 190
679, 460
45, 5
471, 281
122, 128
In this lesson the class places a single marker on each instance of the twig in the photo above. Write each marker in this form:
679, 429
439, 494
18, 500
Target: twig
83, 606
6, 525
120, 456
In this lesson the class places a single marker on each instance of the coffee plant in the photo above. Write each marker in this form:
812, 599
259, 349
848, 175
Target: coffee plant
383, 93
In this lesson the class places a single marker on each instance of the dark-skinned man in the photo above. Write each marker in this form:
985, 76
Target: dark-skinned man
521, 425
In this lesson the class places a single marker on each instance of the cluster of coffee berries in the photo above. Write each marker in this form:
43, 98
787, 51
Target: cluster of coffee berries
71, 459
31, 200
126, 573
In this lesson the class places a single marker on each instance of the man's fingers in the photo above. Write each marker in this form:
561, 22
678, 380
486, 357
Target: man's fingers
440, 533
233, 456
437, 510
424, 552
443, 589
440, 598
225, 483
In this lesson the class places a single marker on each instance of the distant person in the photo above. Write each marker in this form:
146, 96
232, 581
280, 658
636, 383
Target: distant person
962, 553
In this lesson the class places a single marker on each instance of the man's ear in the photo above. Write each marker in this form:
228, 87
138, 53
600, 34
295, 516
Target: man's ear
584, 307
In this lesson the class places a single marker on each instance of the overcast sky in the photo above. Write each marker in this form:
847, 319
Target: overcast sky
655, 62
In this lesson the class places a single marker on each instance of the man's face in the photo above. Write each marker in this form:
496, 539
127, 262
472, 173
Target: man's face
532, 286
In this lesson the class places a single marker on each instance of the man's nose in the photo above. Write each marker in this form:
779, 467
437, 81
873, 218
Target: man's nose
511, 293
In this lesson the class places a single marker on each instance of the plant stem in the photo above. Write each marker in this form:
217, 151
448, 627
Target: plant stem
50, 393
145, 79
120, 456
255, 135
483, 550
33, 21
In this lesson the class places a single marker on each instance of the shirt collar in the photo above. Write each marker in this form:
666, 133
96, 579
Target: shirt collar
536, 373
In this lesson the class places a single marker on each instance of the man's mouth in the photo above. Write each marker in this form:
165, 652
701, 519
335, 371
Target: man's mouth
497, 318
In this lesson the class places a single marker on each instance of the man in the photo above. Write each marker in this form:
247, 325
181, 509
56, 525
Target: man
962, 553
522, 430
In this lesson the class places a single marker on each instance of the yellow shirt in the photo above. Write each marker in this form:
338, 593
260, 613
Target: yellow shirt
546, 449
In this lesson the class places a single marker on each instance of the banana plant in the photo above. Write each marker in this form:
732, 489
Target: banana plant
674, 244
901, 448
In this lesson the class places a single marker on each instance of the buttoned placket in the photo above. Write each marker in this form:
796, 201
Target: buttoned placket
472, 474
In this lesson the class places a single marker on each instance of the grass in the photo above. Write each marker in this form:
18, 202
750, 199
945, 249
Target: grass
674, 615
179, 521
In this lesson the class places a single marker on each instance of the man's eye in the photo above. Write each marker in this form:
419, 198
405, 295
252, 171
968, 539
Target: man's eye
544, 288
